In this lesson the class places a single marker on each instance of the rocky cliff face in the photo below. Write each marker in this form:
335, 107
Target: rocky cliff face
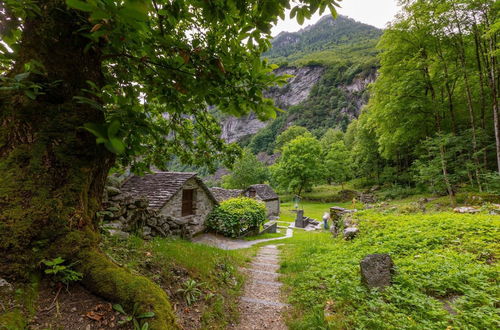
356, 93
298, 87
293, 93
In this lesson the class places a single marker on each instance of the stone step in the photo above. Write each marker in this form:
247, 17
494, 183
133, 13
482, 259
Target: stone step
272, 283
265, 255
265, 266
264, 302
267, 260
261, 271
261, 275
265, 292
258, 316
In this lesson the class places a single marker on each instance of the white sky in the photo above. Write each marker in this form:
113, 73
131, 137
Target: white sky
372, 12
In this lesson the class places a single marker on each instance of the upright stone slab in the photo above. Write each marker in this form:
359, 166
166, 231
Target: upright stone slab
377, 270
336, 214
270, 228
299, 220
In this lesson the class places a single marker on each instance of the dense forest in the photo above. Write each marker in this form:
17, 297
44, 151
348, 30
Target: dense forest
431, 122
432, 118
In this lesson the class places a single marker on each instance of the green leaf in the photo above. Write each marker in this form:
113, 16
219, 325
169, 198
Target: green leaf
29, 93
146, 315
136, 10
113, 128
300, 17
119, 308
80, 5
115, 145
98, 130
21, 76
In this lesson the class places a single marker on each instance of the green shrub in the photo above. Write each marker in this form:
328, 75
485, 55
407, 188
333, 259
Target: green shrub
397, 192
236, 216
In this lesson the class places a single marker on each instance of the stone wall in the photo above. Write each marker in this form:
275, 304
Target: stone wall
273, 207
203, 206
122, 213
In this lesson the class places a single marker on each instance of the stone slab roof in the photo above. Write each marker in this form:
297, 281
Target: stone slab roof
264, 191
160, 187
222, 194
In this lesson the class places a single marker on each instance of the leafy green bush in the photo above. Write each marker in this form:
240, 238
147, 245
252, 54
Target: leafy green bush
236, 216
397, 192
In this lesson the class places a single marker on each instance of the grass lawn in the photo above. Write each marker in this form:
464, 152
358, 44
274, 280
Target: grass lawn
280, 233
446, 273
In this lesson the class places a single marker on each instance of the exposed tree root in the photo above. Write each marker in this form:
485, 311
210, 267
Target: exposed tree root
106, 279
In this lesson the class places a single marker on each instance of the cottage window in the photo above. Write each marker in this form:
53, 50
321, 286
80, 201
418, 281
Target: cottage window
188, 202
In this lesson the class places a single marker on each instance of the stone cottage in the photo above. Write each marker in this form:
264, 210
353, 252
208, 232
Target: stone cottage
265, 193
178, 195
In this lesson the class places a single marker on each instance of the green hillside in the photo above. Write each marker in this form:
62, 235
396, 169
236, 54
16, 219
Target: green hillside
327, 42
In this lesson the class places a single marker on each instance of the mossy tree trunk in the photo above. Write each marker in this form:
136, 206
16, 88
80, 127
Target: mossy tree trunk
52, 171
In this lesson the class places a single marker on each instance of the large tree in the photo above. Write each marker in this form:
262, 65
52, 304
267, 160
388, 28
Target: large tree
299, 168
135, 76
247, 170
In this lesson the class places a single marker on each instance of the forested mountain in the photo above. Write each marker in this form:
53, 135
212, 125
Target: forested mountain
331, 62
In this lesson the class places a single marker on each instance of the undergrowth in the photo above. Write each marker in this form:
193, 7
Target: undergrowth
174, 263
446, 274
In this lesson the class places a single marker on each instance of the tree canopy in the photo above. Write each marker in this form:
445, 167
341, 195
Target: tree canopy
247, 170
164, 63
299, 166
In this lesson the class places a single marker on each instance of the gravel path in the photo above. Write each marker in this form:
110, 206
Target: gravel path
261, 306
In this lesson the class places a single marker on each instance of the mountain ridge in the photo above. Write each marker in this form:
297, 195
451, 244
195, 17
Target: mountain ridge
328, 34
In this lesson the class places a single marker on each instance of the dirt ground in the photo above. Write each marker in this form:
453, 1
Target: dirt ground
74, 308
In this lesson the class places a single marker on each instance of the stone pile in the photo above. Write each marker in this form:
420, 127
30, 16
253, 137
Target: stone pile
343, 222
367, 199
122, 214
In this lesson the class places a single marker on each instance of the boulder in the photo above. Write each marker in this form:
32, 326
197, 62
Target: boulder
377, 270
180, 221
367, 199
113, 191
113, 225
146, 231
118, 233
5, 287
334, 230
466, 209
349, 221
121, 198
350, 233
